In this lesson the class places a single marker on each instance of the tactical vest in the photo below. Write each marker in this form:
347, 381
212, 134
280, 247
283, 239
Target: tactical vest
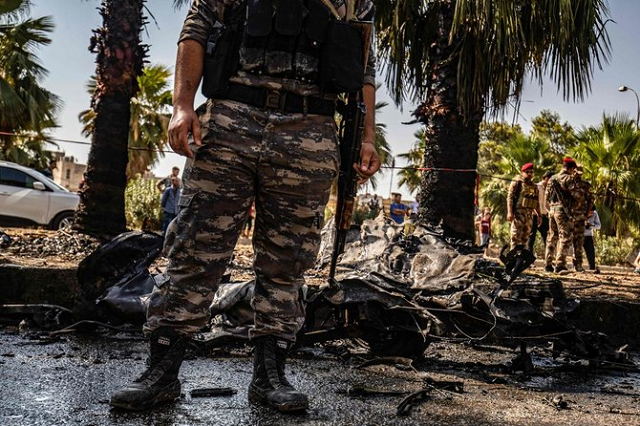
296, 39
528, 197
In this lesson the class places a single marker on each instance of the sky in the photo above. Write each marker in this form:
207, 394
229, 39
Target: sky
70, 65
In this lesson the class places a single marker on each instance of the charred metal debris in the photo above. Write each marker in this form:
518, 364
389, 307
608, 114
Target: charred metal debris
396, 292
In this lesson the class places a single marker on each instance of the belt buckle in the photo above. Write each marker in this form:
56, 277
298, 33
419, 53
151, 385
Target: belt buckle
275, 100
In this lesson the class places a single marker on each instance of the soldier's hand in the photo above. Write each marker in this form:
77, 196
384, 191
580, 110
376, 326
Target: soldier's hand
184, 121
509, 217
369, 162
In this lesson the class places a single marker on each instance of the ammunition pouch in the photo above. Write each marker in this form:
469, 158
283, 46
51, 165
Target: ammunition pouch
341, 66
222, 56
527, 203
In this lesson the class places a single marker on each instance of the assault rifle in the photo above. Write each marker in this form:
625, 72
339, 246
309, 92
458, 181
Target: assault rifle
352, 111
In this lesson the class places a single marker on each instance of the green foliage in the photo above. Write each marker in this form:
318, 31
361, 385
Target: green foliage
613, 251
560, 136
410, 176
498, 131
142, 204
27, 108
362, 213
493, 46
499, 163
610, 154
500, 232
494, 136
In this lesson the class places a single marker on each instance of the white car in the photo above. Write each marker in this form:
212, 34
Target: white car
29, 198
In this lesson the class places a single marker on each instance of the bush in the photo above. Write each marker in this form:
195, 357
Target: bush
142, 204
612, 250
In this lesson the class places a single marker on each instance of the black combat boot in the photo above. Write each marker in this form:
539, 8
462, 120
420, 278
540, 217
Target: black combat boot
269, 385
159, 383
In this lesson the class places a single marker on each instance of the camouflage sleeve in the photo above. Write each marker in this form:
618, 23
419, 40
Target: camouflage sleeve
366, 12
199, 21
570, 185
511, 195
548, 189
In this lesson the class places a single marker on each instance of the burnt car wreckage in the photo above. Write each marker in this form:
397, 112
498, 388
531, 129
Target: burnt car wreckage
393, 291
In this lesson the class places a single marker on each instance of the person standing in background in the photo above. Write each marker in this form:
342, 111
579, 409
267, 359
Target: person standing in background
166, 182
484, 227
397, 210
543, 229
583, 204
593, 223
169, 203
246, 232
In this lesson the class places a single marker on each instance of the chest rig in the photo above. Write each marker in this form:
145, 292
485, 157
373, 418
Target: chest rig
293, 39
528, 198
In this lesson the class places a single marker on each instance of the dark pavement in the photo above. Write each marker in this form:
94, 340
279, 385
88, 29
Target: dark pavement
67, 382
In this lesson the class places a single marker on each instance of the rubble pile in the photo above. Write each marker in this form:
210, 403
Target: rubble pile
60, 245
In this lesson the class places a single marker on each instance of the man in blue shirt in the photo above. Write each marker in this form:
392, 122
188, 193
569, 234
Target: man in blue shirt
169, 202
397, 210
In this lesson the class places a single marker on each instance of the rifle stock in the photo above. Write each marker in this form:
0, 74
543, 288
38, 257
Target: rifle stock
350, 140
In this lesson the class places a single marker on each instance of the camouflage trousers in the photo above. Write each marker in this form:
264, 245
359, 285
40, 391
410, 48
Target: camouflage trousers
579, 224
521, 227
286, 164
560, 231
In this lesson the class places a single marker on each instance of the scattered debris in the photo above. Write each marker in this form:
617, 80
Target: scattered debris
364, 390
396, 361
5, 240
558, 402
212, 392
406, 406
67, 245
447, 385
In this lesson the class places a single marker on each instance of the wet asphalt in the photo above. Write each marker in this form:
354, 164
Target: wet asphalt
68, 382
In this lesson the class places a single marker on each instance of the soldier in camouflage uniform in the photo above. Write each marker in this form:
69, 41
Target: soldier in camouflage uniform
268, 136
561, 191
522, 204
583, 204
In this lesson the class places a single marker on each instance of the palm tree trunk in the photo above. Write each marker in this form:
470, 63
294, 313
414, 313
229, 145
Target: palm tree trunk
447, 197
119, 62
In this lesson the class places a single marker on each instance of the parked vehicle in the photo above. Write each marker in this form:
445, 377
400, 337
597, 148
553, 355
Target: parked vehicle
28, 198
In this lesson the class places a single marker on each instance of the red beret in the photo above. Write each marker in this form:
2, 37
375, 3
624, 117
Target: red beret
569, 162
527, 166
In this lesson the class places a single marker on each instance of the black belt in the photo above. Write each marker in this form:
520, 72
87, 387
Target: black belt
284, 102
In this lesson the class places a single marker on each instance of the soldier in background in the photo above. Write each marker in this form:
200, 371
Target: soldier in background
561, 192
583, 204
522, 204
543, 228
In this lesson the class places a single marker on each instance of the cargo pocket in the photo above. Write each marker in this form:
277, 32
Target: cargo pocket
180, 239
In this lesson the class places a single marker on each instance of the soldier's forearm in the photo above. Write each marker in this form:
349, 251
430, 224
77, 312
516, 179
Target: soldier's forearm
369, 131
189, 65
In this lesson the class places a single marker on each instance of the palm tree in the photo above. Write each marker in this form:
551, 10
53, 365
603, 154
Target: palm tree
149, 119
610, 154
461, 58
120, 56
27, 109
411, 175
